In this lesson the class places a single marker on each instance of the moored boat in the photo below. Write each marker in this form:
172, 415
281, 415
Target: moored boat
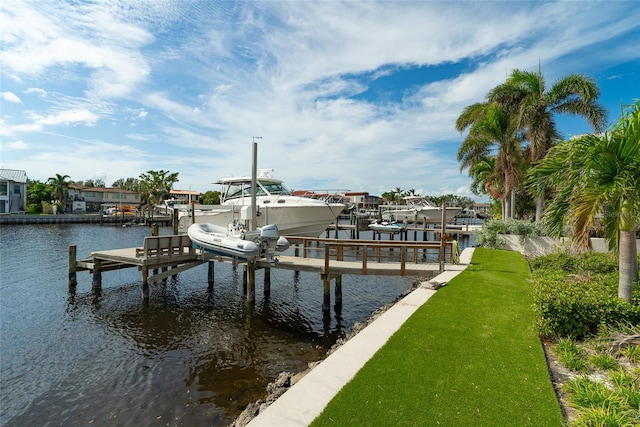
382, 226
294, 215
235, 240
419, 209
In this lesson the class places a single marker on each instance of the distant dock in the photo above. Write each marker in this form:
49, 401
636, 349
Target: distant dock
97, 218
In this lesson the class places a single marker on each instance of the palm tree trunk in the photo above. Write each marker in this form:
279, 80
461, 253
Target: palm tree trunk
627, 264
628, 258
505, 208
513, 203
539, 207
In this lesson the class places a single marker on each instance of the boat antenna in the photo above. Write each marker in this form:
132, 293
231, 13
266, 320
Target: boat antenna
254, 184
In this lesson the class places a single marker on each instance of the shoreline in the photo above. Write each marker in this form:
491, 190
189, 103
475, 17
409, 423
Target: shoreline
286, 380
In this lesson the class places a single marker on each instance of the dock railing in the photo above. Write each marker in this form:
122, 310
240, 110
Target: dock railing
373, 250
159, 246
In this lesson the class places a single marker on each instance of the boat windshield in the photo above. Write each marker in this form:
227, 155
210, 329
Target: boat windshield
264, 188
418, 201
275, 188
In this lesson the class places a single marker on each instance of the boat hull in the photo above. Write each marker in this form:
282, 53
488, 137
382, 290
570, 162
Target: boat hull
215, 239
430, 215
386, 227
292, 220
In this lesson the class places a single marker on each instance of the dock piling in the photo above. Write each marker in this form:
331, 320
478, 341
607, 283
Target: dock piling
210, 274
145, 283
267, 282
326, 283
73, 278
96, 284
251, 281
338, 292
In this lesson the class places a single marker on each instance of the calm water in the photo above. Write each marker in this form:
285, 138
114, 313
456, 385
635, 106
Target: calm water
187, 357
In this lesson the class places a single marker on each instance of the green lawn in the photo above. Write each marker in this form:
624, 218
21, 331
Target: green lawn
468, 357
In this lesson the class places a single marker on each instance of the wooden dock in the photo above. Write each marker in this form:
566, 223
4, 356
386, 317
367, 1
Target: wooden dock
317, 265
163, 256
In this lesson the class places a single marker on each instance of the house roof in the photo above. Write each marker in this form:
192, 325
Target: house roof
13, 175
192, 192
79, 187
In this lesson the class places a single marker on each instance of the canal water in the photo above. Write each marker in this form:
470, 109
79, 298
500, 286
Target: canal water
185, 357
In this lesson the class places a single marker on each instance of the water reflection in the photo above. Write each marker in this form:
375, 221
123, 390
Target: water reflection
189, 355
233, 348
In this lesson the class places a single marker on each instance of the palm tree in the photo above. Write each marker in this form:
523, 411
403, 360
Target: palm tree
525, 94
394, 196
155, 186
484, 176
595, 175
492, 133
59, 188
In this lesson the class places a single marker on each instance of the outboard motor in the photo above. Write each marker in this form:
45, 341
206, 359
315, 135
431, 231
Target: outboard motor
271, 241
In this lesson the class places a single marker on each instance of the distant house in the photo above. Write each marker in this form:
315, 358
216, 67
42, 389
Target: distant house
96, 199
184, 196
362, 200
13, 191
482, 210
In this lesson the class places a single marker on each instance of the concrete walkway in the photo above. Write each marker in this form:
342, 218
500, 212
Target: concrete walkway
306, 399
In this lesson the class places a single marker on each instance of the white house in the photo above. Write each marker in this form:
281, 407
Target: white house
13, 191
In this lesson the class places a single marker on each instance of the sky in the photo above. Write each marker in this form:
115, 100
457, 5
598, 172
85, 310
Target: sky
337, 96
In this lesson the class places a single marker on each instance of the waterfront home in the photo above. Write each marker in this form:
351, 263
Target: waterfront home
13, 191
96, 199
362, 200
184, 196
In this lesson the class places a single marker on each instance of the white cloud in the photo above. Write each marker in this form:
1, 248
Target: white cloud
70, 117
75, 36
38, 122
15, 145
38, 91
11, 97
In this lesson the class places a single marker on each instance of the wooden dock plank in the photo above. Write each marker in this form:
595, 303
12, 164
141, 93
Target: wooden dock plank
352, 267
129, 256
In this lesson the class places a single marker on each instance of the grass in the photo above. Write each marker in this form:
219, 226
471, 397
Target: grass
571, 355
605, 391
468, 357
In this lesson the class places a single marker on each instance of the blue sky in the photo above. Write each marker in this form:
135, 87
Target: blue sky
358, 96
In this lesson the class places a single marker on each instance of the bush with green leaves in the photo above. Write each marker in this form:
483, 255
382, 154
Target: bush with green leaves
576, 263
34, 208
488, 236
574, 296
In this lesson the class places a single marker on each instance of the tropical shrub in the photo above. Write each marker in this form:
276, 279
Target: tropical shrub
574, 296
489, 237
34, 208
593, 262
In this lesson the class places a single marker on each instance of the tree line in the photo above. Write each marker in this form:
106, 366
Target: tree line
397, 196
514, 153
152, 186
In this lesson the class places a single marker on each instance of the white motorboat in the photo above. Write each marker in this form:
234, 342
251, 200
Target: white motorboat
382, 226
418, 209
235, 240
294, 215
